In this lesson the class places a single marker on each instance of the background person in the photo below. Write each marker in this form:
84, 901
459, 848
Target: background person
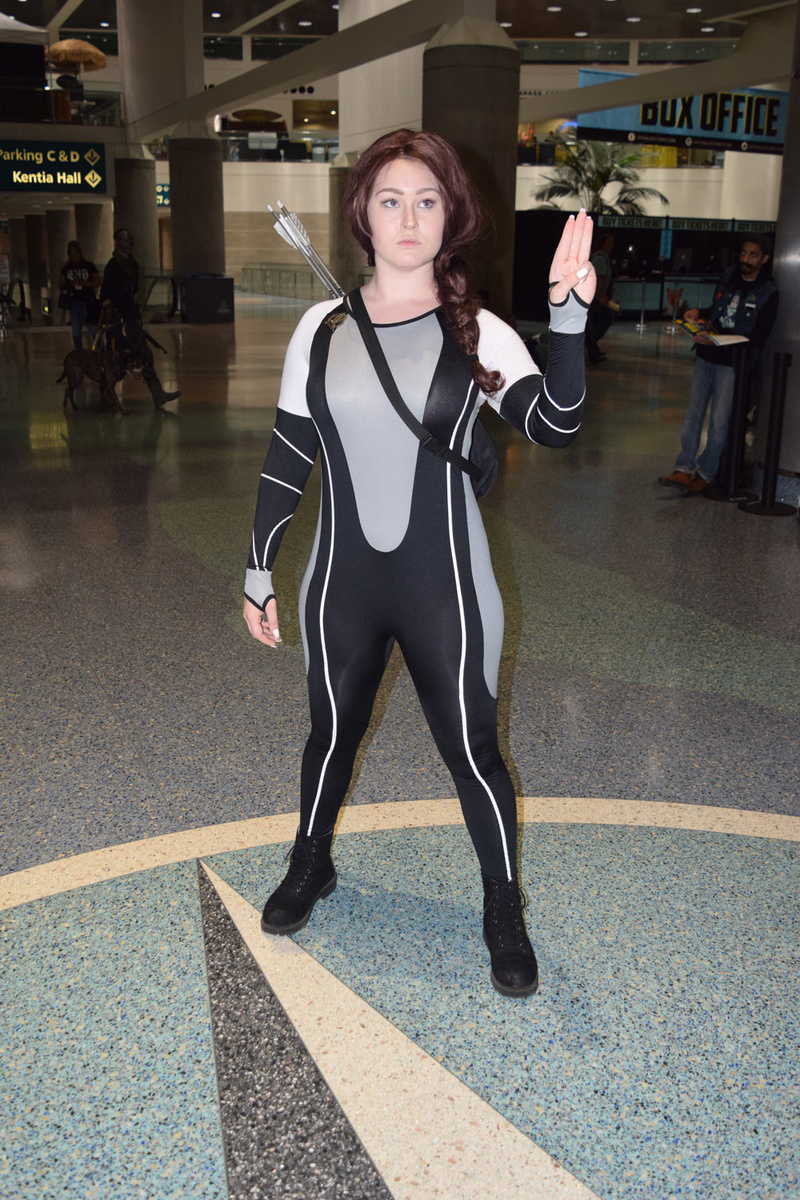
603, 309
119, 294
79, 281
746, 303
401, 553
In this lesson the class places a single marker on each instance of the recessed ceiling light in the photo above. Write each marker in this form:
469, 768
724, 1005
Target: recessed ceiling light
216, 14
554, 8
304, 23
336, 6
581, 33
633, 20
707, 29
505, 24
694, 10
104, 24
333, 112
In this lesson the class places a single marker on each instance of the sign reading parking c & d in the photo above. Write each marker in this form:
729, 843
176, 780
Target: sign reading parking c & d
53, 167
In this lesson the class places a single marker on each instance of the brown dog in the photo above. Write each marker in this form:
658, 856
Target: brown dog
105, 367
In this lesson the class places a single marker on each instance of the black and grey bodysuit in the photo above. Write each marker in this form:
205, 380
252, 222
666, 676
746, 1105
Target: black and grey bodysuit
400, 552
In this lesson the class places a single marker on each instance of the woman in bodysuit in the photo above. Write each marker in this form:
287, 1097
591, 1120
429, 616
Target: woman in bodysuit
401, 553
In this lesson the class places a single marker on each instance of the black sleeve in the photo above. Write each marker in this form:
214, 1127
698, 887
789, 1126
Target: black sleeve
286, 469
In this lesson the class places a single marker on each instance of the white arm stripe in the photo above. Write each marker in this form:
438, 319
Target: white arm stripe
528, 416
269, 539
291, 486
293, 447
571, 408
558, 428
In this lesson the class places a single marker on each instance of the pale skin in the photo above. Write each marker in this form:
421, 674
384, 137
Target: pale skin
406, 219
751, 260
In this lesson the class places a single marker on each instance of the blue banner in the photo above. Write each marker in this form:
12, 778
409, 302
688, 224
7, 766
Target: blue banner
747, 119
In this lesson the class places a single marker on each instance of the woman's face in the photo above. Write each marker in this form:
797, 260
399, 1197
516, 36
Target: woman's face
406, 215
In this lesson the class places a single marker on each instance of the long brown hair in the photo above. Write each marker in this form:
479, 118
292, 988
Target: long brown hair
463, 223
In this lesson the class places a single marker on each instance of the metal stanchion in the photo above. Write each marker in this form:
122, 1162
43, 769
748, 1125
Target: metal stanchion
767, 506
672, 328
640, 328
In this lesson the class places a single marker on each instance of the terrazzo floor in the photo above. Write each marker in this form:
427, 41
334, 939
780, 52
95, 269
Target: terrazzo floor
153, 1043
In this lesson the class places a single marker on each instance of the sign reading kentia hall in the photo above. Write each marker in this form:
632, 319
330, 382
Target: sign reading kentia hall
52, 167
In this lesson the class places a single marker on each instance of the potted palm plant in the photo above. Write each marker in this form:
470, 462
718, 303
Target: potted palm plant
589, 171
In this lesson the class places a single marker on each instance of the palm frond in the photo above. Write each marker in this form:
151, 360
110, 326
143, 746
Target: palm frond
585, 170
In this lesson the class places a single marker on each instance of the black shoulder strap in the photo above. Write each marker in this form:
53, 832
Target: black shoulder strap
427, 440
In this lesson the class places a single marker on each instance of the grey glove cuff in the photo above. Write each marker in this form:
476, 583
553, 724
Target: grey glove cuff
569, 316
258, 587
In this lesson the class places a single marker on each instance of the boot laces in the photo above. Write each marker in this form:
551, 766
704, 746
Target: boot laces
301, 865
507, 905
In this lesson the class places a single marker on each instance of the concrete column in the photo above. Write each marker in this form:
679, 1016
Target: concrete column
135, 207
161, 53
786, 332
197, 206
346, 258
36, 243
60, 224
470, 95
94, 230
380, 96
18, 250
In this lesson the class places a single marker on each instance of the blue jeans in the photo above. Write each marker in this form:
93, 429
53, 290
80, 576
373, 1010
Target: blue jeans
713, 383
78, 311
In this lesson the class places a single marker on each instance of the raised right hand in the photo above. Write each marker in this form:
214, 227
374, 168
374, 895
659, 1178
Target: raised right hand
263, 626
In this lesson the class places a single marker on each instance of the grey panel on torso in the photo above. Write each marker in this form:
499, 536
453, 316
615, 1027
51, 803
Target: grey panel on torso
381, 452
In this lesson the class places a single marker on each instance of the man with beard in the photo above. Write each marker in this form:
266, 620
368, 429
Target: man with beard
745, 303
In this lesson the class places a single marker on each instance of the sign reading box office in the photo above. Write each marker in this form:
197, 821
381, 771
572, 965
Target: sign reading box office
747, 119
53, 167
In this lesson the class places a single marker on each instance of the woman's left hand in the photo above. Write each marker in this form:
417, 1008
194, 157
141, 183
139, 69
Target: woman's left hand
571, 267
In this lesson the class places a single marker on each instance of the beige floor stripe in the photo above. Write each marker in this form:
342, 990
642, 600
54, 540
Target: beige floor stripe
127, 858
428, 1134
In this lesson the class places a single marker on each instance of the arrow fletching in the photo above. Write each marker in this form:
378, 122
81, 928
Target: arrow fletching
291, 229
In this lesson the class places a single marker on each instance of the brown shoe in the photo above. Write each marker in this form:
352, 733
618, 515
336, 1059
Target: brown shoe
679, 479
698, 484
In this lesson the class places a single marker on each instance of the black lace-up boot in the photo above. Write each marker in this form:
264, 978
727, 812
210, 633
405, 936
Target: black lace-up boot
514, 968
310, 877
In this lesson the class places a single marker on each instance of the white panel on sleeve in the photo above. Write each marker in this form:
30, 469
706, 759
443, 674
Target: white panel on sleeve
501, 349
295, 367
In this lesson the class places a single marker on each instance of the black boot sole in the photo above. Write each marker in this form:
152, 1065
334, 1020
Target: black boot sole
280, 930
528, 990
519, 992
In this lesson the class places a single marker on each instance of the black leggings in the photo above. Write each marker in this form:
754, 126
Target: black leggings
438, 627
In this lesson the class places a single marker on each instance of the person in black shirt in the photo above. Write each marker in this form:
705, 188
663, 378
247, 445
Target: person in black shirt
745, 303
79, 281
119, 294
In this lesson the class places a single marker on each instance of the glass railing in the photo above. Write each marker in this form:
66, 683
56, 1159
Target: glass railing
56, 106
244, 147
278, 279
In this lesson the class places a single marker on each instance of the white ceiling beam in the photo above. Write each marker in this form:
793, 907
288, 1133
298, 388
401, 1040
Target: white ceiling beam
62, 16
764, 53
410, 24
263, 16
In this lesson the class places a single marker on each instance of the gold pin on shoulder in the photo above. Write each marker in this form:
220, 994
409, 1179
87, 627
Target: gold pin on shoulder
335, 320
